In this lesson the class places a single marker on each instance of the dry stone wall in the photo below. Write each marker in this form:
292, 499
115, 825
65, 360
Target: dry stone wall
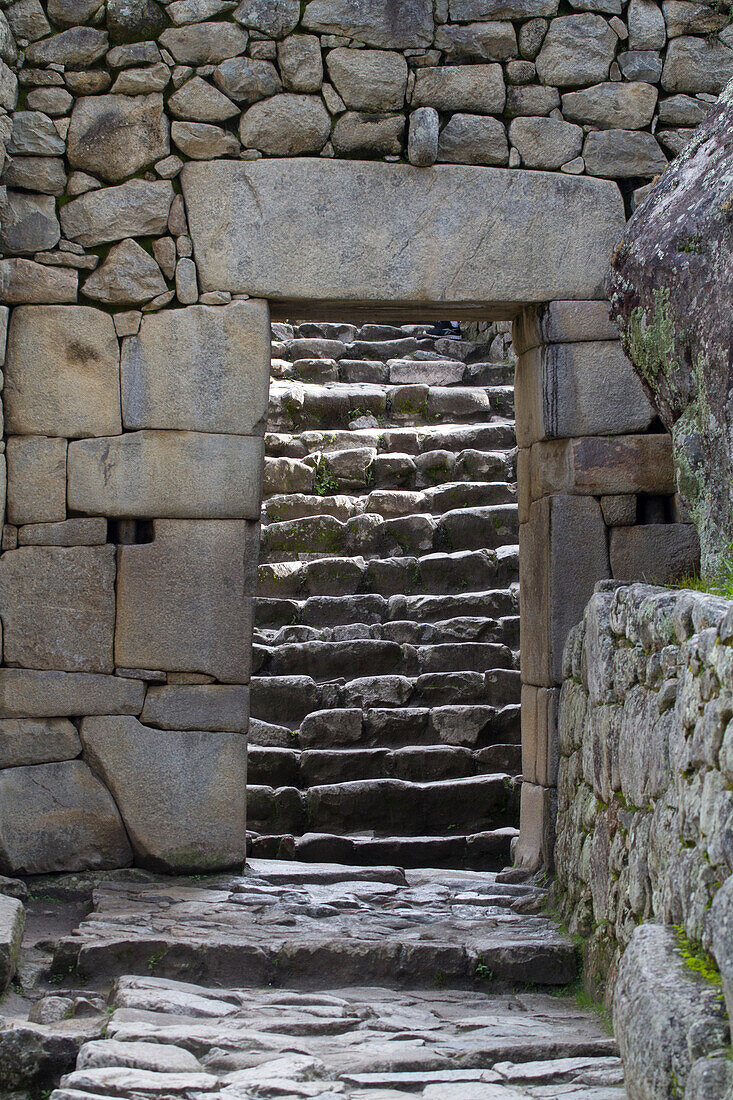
135, 345
645, 821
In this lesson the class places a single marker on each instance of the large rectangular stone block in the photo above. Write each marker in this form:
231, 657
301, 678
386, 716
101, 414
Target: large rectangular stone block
58, 607
182, 795
62, 372
183, 600
602, 465
659, 553
538, 815
563, 551
37, 741
180, 475
589, 388
393, 233
36, 479
203, 369
218, 707
539, 735
561, 323
29, 693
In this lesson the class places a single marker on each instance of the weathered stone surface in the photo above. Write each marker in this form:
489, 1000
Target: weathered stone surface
58, 817
473, 88
200, 141
33, 694
179, 793
134, 20
615, 154
76, 47
678, 341
603, 464
644, 65
697, 65
12, 922
545, 142
44, 174
379, 23
204, 368
62, 372
422, 145
647, 29
561, 323
477, 41
183, 600
59, 607
275, 18
222, 708
245, 80
658, 553
463, 10
286, 125
114, 136
205, 476
566, 390
721, 929
300, 62
355, 132
129, 275
28, 222
70, 532
37, 741
257, 242
578, 49
138, 208
473, 139
368, 80
198, 101
629, 106
36, 479
28, 20
34, 134
135, 82
204, 43
658, 1006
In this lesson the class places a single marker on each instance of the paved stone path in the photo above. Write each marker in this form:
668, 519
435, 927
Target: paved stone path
303, 980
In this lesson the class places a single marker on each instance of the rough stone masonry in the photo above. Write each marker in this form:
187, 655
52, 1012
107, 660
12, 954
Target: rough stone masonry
136, 279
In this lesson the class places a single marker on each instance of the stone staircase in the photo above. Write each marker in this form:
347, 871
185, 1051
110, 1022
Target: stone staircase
385, 691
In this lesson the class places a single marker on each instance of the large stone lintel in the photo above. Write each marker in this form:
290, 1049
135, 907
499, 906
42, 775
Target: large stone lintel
601, 465
453, 235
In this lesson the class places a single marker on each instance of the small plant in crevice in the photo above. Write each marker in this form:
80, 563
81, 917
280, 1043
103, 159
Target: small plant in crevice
325, 481
698, 960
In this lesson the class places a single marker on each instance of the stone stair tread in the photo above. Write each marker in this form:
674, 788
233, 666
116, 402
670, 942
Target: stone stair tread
327, 660
496, 435
371, 607
458, 628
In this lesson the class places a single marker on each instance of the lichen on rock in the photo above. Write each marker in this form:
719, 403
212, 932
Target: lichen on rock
672, 294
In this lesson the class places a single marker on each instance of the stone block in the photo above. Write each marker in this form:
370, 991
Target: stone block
286, 125
59, 607
114, 136
619, 510
221, 708
181, 794
424, 131
596, 465
12, 922
536, 843
589, 388
620, 154
300, 62
183, 600
545, 142
58, 817
138, 208
368, 80
562, 554
478, 89
629, 106
37, 741
182, 475
367, 132
697, 65
379, 23
659, 553
524, 484
721, 930
24, 281
416, 232
203, 369
36, 479
473, 139
127, 276
26, 693
577, 49
29, 222
539, 735
204, 43
562, 323
62, 372
72, 532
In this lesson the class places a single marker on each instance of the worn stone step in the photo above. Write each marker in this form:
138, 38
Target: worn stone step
432, 574
484, 851
330, 660
372, 608
282, 718
404, 631
390, 807
298, 406
281, 767
498, 435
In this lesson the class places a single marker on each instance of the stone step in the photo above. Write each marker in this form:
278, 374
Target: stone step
390, 807
372, 608
432, 574
435, 371
279, 767
331, 660
498, 435
298, 406
404, 631
373, 712
370, 536
485, 851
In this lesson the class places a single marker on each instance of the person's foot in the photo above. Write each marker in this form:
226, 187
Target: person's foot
445, 328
